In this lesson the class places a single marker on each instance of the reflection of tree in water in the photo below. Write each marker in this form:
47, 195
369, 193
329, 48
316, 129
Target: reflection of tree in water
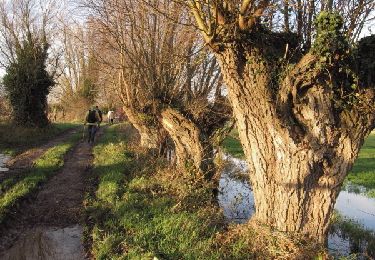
3, 159
354, 188
361, 241
236, 199
235, 194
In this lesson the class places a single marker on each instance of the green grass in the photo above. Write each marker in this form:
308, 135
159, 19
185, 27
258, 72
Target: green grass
15, 139
135, 216
14, 189
363, 172
232, 145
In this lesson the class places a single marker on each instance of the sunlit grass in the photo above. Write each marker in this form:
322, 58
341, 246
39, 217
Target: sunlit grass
232, 145
363, 172
135, 217
13, 189
15, 139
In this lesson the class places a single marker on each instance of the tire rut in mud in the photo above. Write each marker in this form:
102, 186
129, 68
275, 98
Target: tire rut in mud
25, 160
55, 208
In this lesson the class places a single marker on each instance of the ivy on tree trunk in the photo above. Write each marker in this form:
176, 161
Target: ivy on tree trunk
28, 83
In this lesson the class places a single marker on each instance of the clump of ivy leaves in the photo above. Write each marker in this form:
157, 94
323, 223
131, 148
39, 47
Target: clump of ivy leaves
365, 60
336, 59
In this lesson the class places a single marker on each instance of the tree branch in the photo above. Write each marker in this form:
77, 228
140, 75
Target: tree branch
245, 6
257, 13
198, 15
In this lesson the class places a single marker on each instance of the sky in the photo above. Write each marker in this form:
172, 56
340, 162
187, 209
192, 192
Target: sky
72, 7
368, 29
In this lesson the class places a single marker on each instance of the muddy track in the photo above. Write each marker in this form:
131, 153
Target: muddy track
57, 207
25, 160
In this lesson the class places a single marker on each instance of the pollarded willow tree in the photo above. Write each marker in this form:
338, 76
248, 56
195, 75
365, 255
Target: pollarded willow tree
302, 111
196, 117
168, 86
137, 44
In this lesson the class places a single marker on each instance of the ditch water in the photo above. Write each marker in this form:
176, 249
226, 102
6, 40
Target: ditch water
3, 160
353, 234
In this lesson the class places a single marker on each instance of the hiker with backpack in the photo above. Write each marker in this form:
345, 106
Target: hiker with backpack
92, 120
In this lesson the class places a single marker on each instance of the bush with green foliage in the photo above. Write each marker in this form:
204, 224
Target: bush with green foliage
28, 83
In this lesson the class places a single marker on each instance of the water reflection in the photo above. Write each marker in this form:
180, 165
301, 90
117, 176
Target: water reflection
235, 194
237, 201
358, 207
48, 243
3, 160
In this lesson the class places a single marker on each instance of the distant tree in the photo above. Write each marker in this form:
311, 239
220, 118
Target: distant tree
24, 27
28, 83
5, 109
78, 82
167, 84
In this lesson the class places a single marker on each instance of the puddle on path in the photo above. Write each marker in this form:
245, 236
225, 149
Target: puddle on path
237, 201
3, 160
48, 243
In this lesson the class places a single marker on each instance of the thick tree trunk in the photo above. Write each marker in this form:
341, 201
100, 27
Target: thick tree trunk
192, 147
298, 149
150, 137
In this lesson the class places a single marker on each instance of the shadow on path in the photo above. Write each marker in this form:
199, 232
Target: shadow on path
48, 226
25, 160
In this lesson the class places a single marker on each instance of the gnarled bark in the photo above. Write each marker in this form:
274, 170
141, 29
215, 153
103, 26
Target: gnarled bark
192, 146
302, 116
299, 148
150, 137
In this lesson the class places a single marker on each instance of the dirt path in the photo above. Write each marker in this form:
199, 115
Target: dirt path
48, 226
25, 160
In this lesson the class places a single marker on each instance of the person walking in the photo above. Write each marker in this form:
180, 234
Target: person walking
92, 120
110, 116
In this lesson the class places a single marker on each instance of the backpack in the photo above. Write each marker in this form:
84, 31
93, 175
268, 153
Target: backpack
91, 117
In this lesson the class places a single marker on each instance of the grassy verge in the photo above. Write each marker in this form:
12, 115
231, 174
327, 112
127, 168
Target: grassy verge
15, 139
141, 209
136, 215
14, 189
363, 172
232, 145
